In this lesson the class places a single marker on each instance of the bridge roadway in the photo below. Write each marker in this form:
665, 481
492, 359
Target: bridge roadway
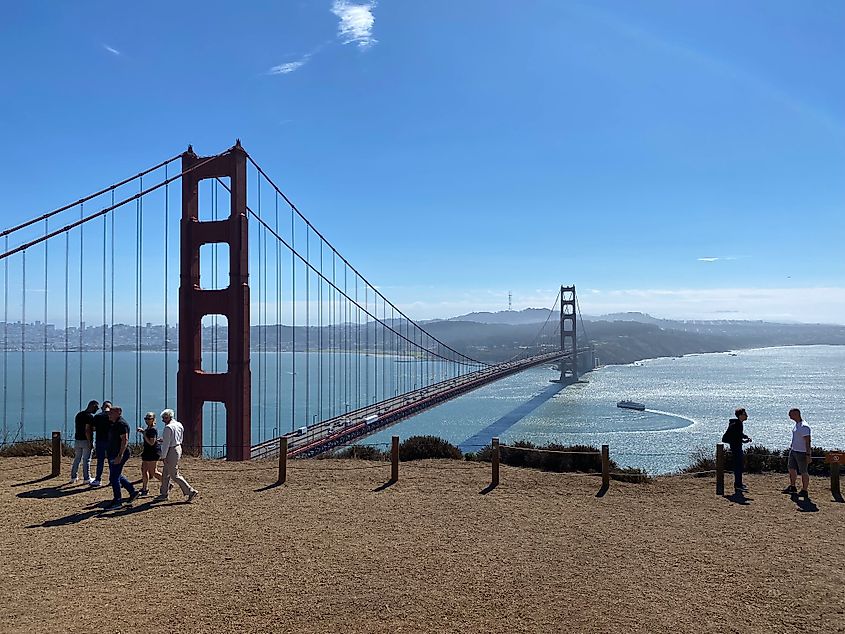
341, 430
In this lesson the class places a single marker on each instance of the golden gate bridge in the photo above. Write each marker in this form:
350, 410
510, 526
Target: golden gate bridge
273, 326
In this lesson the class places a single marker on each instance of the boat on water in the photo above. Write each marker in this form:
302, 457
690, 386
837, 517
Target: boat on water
631, 405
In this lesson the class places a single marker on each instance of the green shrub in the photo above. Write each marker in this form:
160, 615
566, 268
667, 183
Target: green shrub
26, 448
759, 459
703, 461
423, 447
357, 452
585, 459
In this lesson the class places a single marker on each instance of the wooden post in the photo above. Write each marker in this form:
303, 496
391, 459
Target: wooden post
283, 459
394, 459
834, 459
605, 466
57, 454
495, 459
720, 469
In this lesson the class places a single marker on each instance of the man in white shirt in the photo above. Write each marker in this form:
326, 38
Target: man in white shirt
800, 453
171, 453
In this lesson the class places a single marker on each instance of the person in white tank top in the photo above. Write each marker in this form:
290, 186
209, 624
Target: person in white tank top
800, 454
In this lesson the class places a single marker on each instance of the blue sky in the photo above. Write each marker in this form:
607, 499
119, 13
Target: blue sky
683, 159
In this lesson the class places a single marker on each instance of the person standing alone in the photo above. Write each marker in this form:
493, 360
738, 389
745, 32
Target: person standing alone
82, 437
118, 452
800, 453
735, 437
171, 454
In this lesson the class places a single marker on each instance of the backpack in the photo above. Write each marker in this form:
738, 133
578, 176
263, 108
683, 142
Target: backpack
730, 434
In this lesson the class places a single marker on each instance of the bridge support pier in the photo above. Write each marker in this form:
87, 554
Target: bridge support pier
194, 387
568, 336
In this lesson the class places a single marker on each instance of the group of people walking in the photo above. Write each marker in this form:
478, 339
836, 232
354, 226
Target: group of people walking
104, 435
800, 451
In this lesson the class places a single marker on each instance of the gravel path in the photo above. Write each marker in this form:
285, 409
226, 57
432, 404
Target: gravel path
327, 552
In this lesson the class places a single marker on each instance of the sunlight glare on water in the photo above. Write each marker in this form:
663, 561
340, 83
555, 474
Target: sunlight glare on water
689, 401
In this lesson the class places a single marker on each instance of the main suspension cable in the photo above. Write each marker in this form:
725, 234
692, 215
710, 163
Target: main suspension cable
295, 209
106, 210
85, 199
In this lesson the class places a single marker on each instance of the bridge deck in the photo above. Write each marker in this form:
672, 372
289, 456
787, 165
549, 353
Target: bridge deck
344, 429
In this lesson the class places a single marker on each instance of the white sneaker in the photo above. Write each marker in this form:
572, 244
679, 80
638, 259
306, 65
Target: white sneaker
73, 481
93, 482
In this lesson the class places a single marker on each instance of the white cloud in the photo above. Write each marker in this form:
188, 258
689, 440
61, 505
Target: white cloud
356, 22
717, 259
289, 67
111, 49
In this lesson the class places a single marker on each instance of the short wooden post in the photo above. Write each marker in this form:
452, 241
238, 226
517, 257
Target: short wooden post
57, 454
720, 469
605, 465
495, 460
394, 459
283, 459
834, 459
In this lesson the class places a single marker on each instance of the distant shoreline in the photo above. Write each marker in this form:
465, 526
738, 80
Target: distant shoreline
701, 354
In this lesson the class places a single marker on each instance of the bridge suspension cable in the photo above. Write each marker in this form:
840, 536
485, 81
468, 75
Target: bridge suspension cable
323, 240
531, 348
85, 199
85, 219
326, 343
103, 272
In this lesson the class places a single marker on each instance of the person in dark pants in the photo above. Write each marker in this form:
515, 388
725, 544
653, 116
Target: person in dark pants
118, 453
102, 424
735, 437
83, 424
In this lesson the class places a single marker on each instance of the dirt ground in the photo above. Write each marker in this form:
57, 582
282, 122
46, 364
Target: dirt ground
333, 550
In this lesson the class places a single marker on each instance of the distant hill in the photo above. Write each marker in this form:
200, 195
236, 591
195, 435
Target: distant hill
642, 318
625, 337
510, 317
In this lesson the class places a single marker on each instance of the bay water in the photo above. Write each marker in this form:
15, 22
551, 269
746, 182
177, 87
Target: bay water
688, 399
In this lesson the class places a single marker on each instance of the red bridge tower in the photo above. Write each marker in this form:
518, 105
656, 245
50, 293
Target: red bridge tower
194, 387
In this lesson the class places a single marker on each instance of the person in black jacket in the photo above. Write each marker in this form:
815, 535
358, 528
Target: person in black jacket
735, 437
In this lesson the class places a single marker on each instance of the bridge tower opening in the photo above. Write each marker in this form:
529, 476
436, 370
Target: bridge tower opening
568, 336
194, 387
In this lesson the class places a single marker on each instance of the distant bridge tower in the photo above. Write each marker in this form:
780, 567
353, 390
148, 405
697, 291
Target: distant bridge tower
568, 336
194, 387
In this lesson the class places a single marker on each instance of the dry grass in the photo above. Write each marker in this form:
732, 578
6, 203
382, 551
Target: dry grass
328, 553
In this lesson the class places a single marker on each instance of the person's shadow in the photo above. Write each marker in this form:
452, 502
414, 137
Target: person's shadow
36, 481
805, 505
739, 497
100, 509
55, 491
